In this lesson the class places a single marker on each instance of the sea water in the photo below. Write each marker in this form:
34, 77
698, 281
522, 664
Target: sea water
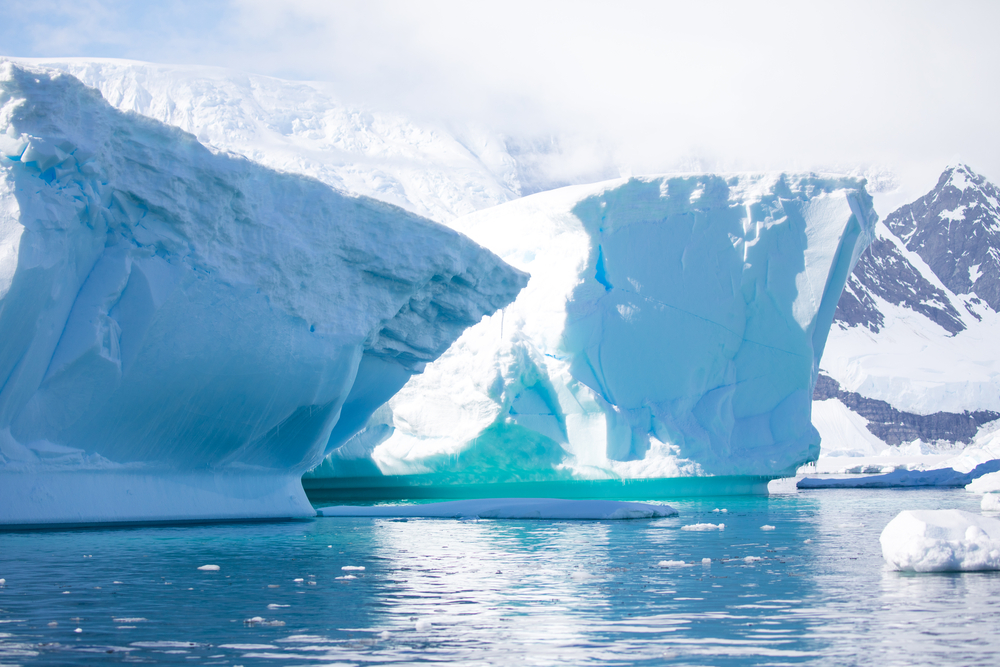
814, 590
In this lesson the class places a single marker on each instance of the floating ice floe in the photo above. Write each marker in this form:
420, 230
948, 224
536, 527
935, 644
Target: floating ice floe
941, 541
209, 568
947, 477
988, 483
705, 526
767, 527
349, 568
672, 563
512, 508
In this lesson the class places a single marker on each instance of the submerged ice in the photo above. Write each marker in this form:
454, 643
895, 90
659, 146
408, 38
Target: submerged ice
183, 332
672, 327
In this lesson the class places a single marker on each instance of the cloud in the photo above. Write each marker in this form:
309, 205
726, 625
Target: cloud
647, 86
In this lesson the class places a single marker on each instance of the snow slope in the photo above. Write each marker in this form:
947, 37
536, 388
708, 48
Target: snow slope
302, 127
184, 332
672, 327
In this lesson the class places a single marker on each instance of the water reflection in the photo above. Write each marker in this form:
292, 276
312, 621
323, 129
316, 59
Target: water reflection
813, 590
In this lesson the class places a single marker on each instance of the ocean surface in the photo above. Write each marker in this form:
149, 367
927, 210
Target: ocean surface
813, 590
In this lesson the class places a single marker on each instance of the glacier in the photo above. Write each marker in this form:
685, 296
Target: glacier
671, 329
184, 332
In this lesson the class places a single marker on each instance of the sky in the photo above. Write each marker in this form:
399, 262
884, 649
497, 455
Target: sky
641, 87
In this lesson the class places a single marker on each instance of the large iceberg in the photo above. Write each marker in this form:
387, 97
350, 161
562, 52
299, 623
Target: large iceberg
184, 332
672, 328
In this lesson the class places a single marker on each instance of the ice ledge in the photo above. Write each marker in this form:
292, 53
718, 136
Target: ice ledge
82, 497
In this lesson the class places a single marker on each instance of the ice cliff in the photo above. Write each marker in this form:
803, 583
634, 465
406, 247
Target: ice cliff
672, 327
184, 332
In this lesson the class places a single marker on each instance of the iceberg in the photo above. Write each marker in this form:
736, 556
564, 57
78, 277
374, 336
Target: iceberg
184, 332
671, 330
941, 541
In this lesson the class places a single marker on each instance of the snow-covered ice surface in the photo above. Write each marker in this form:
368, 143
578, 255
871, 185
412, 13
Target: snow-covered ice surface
184, 332
303, 127
941, 541
672, 327
511, 508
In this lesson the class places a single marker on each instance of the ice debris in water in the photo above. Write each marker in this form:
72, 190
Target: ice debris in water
723, 511
941, 541
706, 561
424, 625
752, 559
298, 580
260, 620
209, 568
346, 576
353, 568
704, 526
671, 563
278, 606
990, 502
767, 527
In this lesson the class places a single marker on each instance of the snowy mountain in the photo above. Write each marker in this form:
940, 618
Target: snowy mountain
913, 352
303, 128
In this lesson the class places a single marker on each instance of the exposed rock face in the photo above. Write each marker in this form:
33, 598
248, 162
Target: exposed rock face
895, 427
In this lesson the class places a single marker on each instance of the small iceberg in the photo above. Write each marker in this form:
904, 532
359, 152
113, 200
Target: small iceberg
704, 526
510, 508
948, 477
941, 541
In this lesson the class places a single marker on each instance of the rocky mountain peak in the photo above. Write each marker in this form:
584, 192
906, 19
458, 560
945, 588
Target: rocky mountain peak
955, 229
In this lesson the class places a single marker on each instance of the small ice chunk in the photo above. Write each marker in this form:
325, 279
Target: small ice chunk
423, 625
209, 568
990, 502
704, 526
941, 541
78, 630
721, 511
988, 483
346, 576
299, 580
353, 568
278, 606
3, 582
752, 559
65, 592
671, 563
706, 561
767, 527
384, 635
53, 624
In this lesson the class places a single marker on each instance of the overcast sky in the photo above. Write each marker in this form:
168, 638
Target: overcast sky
908, 85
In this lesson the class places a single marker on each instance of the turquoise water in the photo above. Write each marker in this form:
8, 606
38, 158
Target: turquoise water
501, 592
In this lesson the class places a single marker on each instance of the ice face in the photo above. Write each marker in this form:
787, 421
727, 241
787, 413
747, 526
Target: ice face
672, 327
183, 332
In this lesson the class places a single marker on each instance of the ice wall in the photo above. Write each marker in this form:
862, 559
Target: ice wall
184, 332
672, 327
